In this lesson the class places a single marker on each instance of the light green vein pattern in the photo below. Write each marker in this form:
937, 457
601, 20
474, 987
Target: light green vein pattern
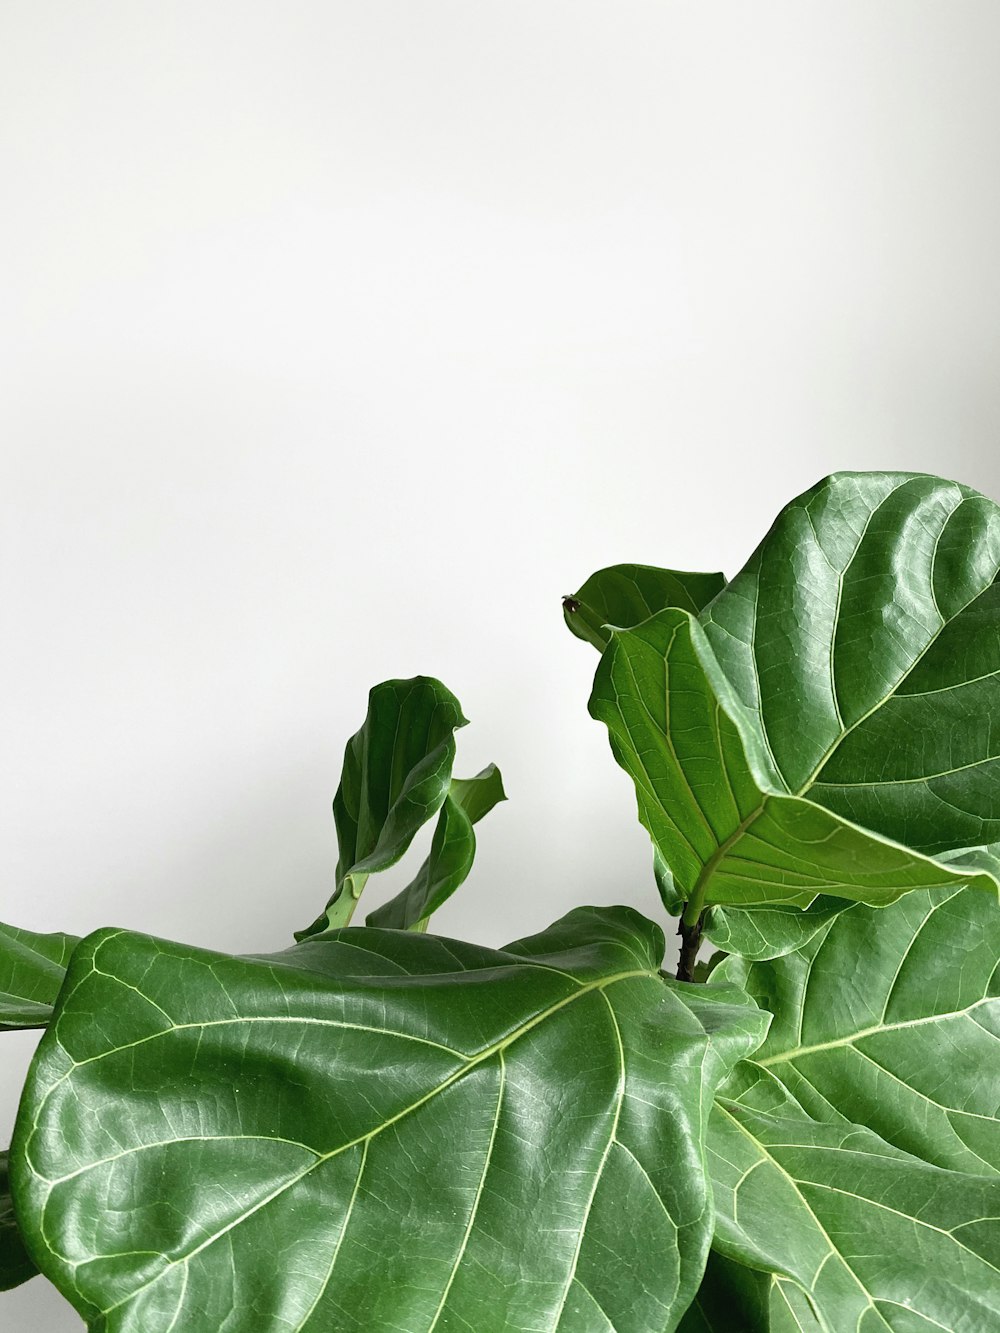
453, 1138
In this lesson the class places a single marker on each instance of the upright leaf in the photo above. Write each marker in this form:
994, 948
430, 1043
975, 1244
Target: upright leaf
378, 1130
858, 1235
397, 771
891, 1019
453, 850
625, 595
864, 638
716, 811
32, 968
15, 1266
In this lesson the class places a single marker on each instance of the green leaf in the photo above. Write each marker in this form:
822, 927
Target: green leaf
397, 772
15, 1266
770, 932
452, 852
716, 813
625, 595
860, 1235
378, 1130
32, 968
891, 1019
864, 638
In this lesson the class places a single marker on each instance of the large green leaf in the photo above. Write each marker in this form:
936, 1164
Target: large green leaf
891, 1019
717, 813
452, 852
864, 637
858, 1235
32, 968
378, 1130
397, 771
15, 1266
625, 595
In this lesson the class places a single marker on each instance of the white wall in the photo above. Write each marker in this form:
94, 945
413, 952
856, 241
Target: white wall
339, 340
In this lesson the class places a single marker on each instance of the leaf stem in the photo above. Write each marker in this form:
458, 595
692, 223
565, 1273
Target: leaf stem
690, 944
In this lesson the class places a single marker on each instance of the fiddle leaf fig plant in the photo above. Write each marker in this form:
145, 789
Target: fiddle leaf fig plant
381, 1128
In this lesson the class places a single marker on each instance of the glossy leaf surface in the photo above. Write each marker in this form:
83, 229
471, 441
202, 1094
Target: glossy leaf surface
862, 1236
864, 637
32, 967
717, 815
891, 1020
397, 772
378, 1130
625, 595
15, 1266
770, 932
453, 850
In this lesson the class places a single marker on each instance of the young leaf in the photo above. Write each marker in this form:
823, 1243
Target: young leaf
864, 638
770, 932
377, 1129
32, 968
716, 812
860, 1235
891, 1019
452, 852
15, 1266
397, 770
625, 595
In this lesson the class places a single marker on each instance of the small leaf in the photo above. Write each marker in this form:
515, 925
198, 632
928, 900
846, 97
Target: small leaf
770, 932
452, 852
378, 1130
891, 1019
32, 968
625, 595
15, 1266
717, 814
397, 771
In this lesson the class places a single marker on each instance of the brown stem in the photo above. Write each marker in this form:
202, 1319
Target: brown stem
690, 944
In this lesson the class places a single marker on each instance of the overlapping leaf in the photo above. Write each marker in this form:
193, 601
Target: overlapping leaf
397, 771
891, 1019
32, 967
716, 812
378, 1129
864, 637
452, 852
825, 726
625, 595
15, 1266
859, 1237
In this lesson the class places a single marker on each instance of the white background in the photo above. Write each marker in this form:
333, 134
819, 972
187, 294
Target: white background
338, 340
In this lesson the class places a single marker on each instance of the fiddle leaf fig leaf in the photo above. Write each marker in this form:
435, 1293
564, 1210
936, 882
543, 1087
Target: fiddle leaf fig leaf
856, 1234
452, 852
891, 1020
863, 636
625, 595
397, 773
770, 932
716, 811
15, 1266
378, 1129
32, 967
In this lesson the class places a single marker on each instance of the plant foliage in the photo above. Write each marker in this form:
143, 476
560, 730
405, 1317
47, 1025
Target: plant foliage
379, 1128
